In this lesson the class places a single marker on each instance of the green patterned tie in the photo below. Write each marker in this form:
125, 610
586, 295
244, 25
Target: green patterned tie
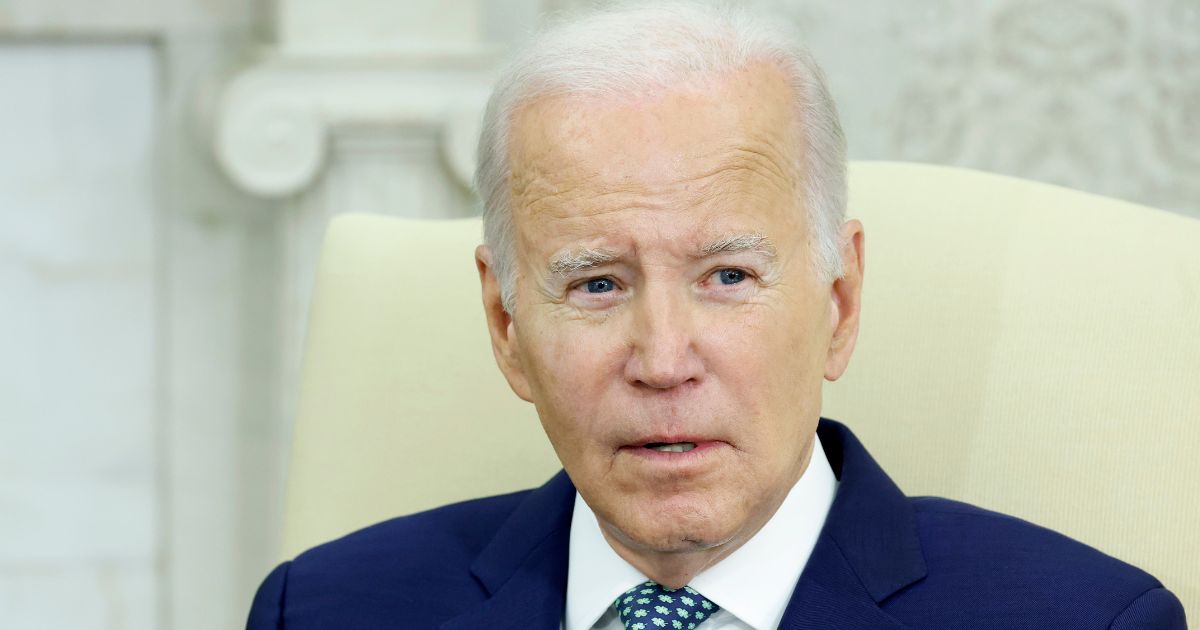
650, 606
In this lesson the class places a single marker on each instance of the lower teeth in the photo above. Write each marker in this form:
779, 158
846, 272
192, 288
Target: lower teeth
678, 447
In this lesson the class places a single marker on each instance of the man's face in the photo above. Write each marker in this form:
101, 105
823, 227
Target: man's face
665, 296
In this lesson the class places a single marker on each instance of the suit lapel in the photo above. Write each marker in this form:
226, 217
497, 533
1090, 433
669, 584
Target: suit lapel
868, 548
829, 595
524, 567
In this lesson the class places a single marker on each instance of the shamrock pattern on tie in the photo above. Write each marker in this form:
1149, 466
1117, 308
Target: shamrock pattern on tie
650, 606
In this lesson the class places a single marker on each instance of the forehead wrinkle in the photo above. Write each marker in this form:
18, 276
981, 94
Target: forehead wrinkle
546, 183
749, 177
736, 184
760, 160
565, 195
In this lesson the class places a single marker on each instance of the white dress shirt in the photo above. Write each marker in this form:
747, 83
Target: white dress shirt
752, 585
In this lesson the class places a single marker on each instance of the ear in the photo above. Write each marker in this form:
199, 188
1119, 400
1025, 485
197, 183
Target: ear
846, 300
500, 326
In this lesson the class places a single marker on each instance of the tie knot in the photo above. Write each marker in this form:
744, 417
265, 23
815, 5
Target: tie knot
650, 606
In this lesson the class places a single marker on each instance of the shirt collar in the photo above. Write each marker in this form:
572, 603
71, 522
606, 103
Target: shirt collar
775, 556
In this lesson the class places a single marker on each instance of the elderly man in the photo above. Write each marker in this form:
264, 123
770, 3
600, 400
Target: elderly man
669, 277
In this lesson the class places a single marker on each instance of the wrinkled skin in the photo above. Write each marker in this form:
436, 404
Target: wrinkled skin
643, 333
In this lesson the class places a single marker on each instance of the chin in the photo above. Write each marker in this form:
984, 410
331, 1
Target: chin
682, 541
674, 532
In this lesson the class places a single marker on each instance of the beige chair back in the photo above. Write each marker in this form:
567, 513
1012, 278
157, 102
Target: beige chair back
1026, 348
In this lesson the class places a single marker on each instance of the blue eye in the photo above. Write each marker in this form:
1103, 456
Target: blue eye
731, 276
600, 285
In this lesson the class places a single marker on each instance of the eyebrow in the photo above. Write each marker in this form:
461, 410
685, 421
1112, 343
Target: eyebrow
585, 258
751, 242
580, 260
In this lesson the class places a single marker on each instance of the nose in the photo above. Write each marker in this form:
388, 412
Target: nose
663, 344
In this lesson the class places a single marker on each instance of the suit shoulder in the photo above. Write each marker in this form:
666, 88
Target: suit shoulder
414, 567
1022, 565
954, 526
442, 535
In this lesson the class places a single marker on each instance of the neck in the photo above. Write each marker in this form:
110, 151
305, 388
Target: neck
672, 569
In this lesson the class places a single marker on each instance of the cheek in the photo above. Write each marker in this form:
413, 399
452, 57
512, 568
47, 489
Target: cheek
767, 341
571, 366
771, 360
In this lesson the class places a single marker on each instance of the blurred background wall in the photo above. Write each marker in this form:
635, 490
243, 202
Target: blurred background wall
167, 167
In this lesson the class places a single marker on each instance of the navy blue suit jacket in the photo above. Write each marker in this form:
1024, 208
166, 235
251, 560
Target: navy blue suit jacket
882, 561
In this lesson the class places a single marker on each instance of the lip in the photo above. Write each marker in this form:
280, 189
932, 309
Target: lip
704, 448
668, 438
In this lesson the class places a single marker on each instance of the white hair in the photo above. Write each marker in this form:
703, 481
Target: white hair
635, 49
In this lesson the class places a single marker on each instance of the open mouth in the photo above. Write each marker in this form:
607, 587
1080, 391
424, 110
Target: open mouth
671, 447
